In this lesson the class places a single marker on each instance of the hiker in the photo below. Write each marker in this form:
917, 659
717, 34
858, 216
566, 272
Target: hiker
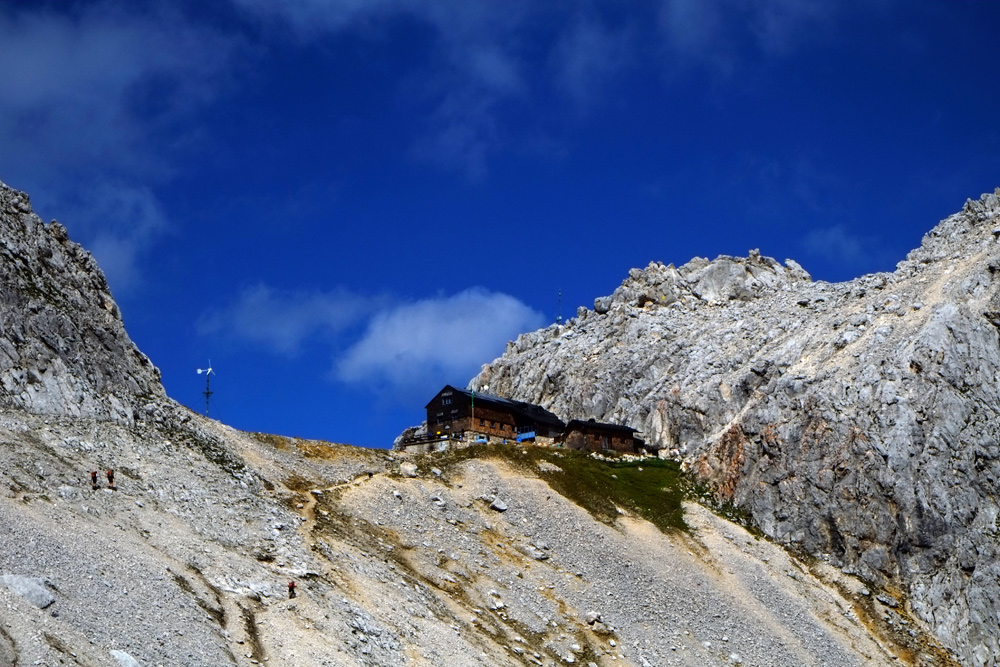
291, 589
111, 479
93, 479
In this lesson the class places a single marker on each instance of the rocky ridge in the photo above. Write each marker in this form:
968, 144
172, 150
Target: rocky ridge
443, 561
63, 346
853, 421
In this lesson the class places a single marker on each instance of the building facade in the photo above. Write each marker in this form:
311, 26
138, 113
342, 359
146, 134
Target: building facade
465, 416
595, 436
463, 413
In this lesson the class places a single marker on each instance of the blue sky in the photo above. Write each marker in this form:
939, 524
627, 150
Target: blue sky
346, 204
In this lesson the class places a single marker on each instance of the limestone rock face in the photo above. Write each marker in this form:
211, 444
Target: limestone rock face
63, 348
701, 280
855, 421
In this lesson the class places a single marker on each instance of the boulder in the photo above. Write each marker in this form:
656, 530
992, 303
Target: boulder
32, 589
124, 659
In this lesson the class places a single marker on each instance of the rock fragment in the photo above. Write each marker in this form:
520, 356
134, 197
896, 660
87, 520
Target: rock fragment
32, 589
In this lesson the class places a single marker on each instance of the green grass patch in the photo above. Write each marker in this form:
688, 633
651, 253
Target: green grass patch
651, 488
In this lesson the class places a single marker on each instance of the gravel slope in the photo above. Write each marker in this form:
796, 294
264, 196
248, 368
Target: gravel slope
187, 563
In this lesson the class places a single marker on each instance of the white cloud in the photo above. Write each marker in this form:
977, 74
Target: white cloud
399, 349
436, 340
282, 320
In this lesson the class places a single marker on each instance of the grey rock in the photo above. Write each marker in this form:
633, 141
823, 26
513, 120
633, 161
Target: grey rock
124, 659
887, 600
8, 654
856, 428
408, 469
32, 589
498, 505
63, 347
531, 552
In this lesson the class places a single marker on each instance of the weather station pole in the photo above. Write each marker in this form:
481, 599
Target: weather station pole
208, 387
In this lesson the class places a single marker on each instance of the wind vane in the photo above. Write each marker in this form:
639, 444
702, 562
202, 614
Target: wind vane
208, 378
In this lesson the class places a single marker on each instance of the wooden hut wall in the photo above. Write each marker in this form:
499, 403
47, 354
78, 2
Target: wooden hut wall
486, 420
490, 420
600, 440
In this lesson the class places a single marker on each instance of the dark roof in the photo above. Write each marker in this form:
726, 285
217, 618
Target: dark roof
535, 413
580, 425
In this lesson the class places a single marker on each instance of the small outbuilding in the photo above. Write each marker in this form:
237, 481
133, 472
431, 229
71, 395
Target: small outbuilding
596, 436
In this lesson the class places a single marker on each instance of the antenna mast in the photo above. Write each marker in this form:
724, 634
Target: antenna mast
208, 387
559, 316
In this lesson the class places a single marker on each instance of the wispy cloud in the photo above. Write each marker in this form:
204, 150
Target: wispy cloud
283, 320
839, 245
391, 346
691, 26
88, 97
587, 55
722, 33
462, 133
781, 25
479, 65
123, 223
476, 64
79, 86
441, 338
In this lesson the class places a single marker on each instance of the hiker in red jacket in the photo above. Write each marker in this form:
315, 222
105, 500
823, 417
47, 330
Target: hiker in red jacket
93, 479
291, 589
111, 479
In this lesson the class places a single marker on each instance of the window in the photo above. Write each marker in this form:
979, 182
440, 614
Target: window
446, 401
482, 422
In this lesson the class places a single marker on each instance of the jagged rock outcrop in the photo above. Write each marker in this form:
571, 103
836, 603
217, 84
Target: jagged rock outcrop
721, 280
63, 347
856, 421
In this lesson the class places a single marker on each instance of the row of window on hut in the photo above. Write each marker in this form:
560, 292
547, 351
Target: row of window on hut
457, 412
